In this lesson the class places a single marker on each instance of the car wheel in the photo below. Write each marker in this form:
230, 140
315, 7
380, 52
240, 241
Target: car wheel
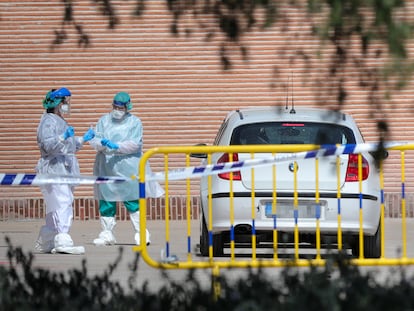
372, 245
203, 238
217, 245
217, 241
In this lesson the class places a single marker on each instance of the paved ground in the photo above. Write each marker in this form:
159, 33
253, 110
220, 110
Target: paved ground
24, 234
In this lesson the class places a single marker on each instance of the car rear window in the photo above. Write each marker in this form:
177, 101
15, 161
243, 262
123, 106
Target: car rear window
291, 133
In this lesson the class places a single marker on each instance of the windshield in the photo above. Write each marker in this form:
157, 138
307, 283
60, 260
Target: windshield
291, 133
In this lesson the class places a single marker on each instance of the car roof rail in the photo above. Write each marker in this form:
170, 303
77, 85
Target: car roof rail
240, 114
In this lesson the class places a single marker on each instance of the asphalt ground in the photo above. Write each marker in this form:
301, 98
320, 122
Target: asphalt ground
23, 233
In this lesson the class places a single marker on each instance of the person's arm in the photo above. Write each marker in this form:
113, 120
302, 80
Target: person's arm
96, 141
80, 140
124, 147
134, 145
50, 140
129, 147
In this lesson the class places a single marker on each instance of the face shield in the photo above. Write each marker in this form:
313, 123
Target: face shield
59, 98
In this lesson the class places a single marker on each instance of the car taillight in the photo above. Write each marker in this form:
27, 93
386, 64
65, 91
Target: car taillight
225, 158
352, 169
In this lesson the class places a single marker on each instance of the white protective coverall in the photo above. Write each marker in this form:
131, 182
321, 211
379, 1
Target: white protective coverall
57, 158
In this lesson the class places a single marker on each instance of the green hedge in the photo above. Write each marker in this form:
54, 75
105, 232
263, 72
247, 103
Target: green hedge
336, 286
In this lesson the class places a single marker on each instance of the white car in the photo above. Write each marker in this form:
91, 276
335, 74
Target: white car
275, 125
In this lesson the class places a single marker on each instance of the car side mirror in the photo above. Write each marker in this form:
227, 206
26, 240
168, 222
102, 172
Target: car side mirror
199, 155
380, 154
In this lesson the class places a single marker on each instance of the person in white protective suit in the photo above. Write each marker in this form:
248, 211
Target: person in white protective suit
118, 142
58, 144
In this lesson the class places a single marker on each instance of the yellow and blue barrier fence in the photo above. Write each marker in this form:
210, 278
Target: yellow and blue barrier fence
280, 153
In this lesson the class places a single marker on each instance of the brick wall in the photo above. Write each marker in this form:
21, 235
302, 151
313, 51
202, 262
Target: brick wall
177, 84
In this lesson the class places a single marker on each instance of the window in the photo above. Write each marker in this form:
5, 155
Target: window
223, 127
291, 133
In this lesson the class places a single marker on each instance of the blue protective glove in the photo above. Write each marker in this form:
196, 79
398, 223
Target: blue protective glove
109, 144
70, 132
88, 135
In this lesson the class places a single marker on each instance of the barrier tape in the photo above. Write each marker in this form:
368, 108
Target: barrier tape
193, 171
43, 179
211, 169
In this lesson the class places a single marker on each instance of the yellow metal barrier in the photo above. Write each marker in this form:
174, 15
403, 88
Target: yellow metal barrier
215, 264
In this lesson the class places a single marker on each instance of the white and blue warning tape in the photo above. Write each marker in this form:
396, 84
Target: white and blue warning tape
42, 179
211, 169
193, 171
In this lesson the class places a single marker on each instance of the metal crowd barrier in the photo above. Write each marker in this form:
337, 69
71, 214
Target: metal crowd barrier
192, 261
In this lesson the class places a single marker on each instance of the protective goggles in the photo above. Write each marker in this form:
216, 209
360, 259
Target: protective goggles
118, 103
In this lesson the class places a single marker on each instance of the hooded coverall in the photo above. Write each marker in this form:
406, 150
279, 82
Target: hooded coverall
57, 158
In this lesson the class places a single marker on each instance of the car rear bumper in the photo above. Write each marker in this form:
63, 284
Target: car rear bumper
352, 211
330, 195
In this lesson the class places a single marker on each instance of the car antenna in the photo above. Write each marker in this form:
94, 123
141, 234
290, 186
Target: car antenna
292, 111
287, 96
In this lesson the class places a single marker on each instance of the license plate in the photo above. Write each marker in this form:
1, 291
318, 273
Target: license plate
305, 208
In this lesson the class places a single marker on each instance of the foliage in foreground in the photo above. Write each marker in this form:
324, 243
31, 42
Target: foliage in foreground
336, 286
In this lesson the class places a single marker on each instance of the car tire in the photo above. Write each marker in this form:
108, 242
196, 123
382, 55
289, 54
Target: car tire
372, 245
203, 238
217, 241
218, 245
